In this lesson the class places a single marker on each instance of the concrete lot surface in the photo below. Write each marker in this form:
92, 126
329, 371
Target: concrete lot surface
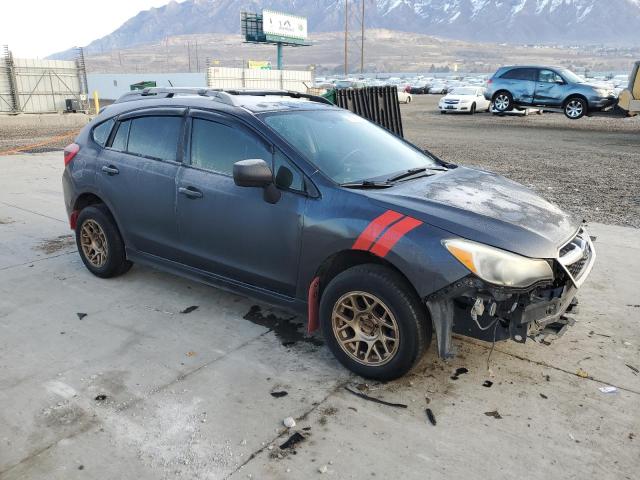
136, 389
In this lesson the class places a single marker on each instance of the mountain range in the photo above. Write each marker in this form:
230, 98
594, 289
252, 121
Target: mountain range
615, 22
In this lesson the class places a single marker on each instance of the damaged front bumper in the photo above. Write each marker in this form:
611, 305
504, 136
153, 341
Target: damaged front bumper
474, 308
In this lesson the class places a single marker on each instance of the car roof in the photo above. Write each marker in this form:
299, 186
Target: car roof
554, 67
254, 101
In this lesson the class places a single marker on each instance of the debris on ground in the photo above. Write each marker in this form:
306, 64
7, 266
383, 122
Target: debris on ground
81, 315
459, 371
322, 469
279, 394
189, 309
573, 438
581, 373
544, 396
431, 416
632, 436
306, 429
292, 441
634, 369
487, 383
191, 354
101, 398
608, 389
493, 414
372, 399
289, 422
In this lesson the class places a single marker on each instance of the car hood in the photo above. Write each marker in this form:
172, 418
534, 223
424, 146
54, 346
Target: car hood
486, 208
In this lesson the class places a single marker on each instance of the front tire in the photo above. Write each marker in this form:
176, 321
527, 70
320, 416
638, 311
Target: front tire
99, 243
503, 101
575, 108
473, 109
373, 322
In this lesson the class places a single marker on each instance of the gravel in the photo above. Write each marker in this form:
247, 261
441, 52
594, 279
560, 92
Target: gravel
590, 166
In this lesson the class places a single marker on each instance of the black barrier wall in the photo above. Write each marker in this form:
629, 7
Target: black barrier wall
378, 104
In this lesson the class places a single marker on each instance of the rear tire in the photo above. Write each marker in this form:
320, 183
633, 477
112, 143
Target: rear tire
99, 243
575, 108
373, 322
503, 101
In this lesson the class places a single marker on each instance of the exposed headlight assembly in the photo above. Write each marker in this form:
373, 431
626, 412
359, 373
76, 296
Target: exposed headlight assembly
499, 267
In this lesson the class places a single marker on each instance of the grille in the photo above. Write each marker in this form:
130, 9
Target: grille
452, 102
577, 268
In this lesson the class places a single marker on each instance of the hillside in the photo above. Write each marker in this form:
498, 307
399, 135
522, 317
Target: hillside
614, 22
385, 51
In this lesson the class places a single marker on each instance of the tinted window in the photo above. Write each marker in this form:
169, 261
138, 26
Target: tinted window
155, 137
520, 74
102, 131
549, 76
217, 147
287, 176
122, 135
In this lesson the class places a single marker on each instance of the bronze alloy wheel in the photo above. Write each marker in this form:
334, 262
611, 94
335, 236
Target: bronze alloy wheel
94, 243
365, 328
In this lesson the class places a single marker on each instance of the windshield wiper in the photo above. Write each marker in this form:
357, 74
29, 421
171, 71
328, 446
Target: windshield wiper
407, 173
414, 171
366, 184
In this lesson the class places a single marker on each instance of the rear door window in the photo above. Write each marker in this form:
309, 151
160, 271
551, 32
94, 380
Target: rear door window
155, 137
520, 74
217, 146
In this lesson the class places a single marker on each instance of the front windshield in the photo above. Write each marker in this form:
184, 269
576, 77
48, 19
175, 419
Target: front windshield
464, 91
346, 147
570, 77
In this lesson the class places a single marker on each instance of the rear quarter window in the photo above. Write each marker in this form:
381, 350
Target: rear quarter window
101, 132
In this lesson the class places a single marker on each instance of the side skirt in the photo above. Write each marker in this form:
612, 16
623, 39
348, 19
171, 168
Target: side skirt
223, 283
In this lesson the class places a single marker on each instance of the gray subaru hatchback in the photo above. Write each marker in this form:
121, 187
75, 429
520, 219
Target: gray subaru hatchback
289, 199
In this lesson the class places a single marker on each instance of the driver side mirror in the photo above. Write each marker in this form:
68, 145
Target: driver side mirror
560, 82
256, 173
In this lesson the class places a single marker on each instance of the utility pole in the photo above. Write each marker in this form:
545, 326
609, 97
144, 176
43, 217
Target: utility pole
362, 40
197, 59
189, 55
346, 33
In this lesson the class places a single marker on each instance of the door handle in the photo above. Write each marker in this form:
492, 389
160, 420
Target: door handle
110, 170
190, 192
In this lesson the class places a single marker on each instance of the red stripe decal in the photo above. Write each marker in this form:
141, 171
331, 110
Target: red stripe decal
393, 235
374, 229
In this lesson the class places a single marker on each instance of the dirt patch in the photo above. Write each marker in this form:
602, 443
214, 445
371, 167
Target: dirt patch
288, 330
54, 245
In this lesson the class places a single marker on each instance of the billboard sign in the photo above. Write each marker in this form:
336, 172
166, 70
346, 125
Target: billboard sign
282, 25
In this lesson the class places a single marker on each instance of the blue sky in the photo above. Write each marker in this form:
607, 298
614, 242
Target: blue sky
37, 28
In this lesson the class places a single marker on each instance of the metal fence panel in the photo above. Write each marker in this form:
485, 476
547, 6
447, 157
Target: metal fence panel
378, 104
44, 85
231, 78
6, 93
40, 86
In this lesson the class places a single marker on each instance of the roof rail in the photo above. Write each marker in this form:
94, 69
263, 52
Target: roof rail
280, 93
170, 92
223, 96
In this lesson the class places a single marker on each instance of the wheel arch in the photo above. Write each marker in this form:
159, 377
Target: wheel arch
337, 263
498, 92
575, 95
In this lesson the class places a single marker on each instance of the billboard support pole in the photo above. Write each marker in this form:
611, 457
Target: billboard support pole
279, 55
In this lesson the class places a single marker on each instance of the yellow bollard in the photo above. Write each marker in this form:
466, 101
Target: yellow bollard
96, 102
